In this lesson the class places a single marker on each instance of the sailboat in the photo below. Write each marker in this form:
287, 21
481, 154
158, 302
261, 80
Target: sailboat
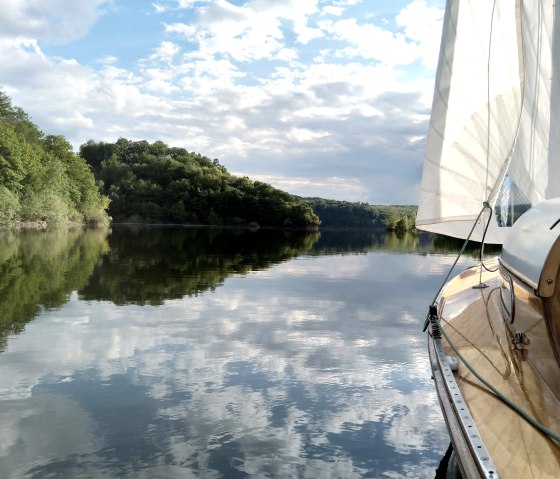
492, 175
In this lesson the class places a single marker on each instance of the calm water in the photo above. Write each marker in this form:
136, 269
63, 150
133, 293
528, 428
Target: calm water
182, 353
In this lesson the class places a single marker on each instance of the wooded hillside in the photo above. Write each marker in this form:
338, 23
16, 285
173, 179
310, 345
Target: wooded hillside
155, 183
41, 179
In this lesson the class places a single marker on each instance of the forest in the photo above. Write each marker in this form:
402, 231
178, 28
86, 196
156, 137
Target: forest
42, 181
154, 183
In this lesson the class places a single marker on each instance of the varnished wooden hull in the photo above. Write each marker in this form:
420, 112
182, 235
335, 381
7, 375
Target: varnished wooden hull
506, 445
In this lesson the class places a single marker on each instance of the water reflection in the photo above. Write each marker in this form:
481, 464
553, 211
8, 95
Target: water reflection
313, 366
39, 269
360, 241
150, 265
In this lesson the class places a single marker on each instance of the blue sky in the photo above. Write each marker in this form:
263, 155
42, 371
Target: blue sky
325, 98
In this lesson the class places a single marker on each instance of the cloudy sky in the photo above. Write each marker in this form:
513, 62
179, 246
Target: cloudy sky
326, 98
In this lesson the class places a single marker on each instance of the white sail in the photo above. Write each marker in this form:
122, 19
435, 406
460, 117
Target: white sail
490, 114
530, 161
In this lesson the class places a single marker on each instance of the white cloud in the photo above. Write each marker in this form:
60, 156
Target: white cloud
166, 52
249, 32
371, 42
54, 21
303, 134
346, 2
423, 25
188, 3
225, 29
108, 60
187, 30
159, 8
330, 10
296, 11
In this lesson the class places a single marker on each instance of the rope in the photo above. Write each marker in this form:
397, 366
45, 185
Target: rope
433, 303
481, 254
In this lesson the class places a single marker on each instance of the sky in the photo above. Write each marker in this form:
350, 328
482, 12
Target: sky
325, 98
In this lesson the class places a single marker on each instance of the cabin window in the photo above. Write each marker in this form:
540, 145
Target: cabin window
507, 297
511, 203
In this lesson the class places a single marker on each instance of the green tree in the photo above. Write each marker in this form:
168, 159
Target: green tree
392, 221
402, 224
12, 159
41, 178
9, 206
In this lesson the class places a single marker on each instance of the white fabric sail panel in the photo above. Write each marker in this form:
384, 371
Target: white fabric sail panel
529, 167
475, 114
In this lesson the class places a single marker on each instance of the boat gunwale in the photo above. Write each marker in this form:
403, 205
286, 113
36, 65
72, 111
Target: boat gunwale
473, 456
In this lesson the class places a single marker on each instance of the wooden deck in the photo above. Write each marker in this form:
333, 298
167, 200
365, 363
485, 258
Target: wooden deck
527, 373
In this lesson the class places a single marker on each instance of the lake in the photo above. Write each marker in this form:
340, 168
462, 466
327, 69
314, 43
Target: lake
169, 352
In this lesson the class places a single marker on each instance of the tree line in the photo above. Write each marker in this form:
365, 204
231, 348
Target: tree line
346, 214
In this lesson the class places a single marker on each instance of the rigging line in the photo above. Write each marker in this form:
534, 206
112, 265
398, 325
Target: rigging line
427, 321
494, 390
488, 122
488, 92
481, 254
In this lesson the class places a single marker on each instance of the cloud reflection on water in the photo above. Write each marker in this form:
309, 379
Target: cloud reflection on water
313, 368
